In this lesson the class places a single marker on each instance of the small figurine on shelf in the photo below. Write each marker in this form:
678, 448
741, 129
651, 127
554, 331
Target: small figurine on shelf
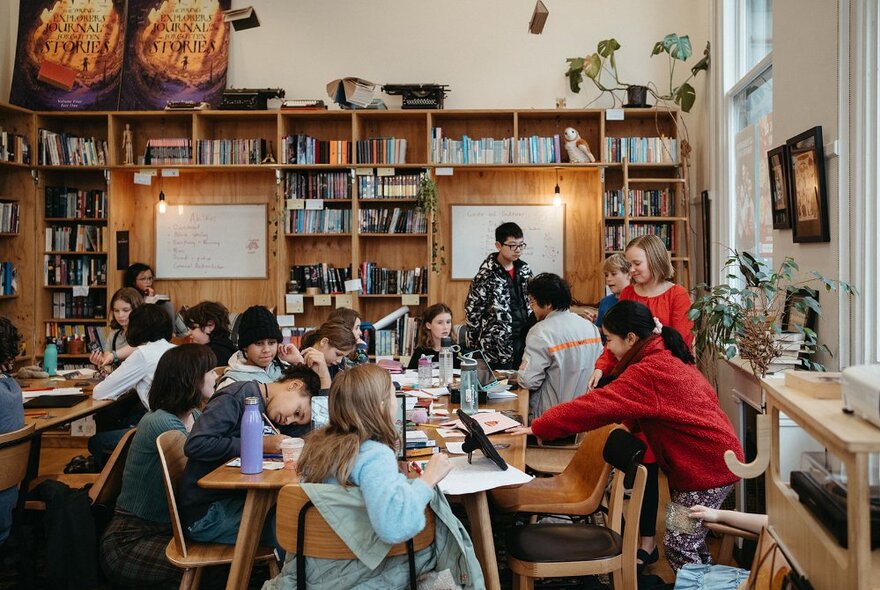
577, 147
127, 148
269, 159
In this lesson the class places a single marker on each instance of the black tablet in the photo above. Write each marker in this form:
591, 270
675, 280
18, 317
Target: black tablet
54, 401
477, 439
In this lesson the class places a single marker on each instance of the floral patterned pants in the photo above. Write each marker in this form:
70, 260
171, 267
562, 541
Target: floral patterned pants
685, 538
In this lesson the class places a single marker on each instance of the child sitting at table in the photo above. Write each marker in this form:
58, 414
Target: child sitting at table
133, 546
436, 324
334, 340
11, 411
214, 515
357, 448
351, 318
208, 324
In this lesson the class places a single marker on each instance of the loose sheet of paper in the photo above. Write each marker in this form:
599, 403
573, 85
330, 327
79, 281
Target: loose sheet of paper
267, 465
482, 474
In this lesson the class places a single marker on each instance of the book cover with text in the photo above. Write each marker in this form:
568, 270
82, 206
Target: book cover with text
69, 54
175, 50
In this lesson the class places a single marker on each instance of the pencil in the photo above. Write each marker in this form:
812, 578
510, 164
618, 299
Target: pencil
269, 422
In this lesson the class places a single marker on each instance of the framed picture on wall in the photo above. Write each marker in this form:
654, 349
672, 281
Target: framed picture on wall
780, 193
809, 200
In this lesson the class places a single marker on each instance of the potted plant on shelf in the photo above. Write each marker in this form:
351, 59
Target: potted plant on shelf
428, 202
677, 49
744, 315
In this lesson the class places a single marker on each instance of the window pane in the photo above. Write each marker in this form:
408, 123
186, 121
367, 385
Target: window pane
753, 225
758, 31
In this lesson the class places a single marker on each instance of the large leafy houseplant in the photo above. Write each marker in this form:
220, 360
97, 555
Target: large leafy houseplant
743, 314
677, 49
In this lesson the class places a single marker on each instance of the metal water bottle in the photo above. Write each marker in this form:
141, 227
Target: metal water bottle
251, 437
425, 371
445, 361
469, 387
50, 359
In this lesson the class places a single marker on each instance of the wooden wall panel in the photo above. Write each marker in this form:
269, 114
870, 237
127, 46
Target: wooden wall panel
16, 183
582, 193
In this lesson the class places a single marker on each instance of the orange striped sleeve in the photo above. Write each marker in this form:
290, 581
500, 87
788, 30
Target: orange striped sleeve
573, 343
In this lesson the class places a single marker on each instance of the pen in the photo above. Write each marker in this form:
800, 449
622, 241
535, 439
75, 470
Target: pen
269, 422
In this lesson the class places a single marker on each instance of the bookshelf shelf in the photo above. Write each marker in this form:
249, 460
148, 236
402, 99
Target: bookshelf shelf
14, 165
75, 252
73, 286
330, 235
77, 320
397, 235
8, 297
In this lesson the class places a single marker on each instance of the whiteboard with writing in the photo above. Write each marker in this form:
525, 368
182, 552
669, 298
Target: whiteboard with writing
473, 236
211, 242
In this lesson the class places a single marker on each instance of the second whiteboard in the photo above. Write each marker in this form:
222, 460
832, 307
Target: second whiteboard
473, 236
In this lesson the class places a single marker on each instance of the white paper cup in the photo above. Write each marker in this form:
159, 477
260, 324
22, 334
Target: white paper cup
290, 451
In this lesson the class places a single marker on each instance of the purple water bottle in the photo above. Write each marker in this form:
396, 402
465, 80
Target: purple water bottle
251, 437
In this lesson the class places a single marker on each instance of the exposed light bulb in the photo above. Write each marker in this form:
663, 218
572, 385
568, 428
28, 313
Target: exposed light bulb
162, 207
557, 196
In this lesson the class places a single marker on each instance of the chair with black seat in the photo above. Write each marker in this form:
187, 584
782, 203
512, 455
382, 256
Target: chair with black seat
577, 491
191, 556
547, 550
304, 532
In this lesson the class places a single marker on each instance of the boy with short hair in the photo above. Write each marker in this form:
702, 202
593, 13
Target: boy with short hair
616, 271
497, 308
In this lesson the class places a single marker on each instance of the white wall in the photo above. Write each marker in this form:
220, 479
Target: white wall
805, 94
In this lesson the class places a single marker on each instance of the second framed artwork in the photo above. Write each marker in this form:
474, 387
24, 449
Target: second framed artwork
780, 187
808, 209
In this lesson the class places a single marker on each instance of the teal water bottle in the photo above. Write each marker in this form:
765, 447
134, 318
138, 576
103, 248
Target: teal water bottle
50, 359
469, 386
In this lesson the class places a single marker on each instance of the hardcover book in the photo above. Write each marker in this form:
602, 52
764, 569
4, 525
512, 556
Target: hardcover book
68, 55
176, 50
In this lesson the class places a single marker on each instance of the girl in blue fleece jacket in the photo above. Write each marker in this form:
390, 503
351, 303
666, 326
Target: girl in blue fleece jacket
357, 448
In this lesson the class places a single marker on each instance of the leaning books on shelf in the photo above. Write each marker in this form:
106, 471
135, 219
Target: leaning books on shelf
63, 149
9, 217
398, 186
73, 203
168, 151
392, 221
334, 184
319, 221
71, 270
14, 148
8, 279
381, 150
376, 280
328, 278
303, 149
76, 238
66, 306
642, 150
222, 152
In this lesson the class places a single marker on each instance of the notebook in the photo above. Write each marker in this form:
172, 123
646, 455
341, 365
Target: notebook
55, 401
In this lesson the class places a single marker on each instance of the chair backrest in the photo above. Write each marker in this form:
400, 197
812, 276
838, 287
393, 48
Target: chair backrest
173, 461
106, 488
15, 449
460, 331
320, 540
624, 452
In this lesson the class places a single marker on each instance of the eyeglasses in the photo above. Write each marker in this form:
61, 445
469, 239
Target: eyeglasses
516, 247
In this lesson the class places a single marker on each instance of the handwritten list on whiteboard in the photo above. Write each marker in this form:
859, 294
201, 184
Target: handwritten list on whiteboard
211, 242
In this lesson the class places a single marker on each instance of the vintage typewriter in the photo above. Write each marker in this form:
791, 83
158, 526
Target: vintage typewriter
248, 99
419, 96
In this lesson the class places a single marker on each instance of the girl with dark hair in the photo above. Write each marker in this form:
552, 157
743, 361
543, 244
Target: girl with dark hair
133, 546
436, 324
208, 324
656, 388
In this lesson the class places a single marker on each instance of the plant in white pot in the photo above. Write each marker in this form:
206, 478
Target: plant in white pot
677, 49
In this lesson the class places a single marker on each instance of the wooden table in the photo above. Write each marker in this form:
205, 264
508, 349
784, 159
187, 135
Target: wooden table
262, 490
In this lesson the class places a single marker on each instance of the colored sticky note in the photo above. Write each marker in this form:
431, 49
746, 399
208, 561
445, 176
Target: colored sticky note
614, 114
384, 171
296, 204
363, 171
343, 301
410, 300
445, 171
353, 285
170, 172
323, 300
144, 179
293, 303
314, 204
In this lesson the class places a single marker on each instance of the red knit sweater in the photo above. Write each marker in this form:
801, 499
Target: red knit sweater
675, 407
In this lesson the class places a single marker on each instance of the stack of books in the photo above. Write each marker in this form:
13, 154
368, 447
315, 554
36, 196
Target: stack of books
793, 347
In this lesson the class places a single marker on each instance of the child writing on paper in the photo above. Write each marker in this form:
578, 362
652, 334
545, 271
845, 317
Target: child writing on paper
357, 448
351, 318
334, 341
436, 324
656, 388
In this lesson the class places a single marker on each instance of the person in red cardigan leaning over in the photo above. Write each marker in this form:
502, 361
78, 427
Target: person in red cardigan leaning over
655, 388
651, 272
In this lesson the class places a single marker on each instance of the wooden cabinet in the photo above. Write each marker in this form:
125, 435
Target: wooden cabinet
286, 159
850, 439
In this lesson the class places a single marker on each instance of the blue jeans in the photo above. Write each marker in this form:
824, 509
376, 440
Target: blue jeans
220, 525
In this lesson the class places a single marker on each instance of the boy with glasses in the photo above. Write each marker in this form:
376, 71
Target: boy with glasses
497, 304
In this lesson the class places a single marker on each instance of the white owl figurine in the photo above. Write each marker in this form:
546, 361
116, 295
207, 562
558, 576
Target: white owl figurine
578, 149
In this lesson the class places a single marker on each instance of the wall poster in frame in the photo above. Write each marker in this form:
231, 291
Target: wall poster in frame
780, 194
809, 199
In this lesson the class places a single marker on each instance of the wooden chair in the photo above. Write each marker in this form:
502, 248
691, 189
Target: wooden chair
559, 550
577, 491
15, 449
192, 556
305, 533
728, 536
552, 459
105, 485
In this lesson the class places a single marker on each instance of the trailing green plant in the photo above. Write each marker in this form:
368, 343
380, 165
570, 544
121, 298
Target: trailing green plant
428, 203
744, 313
677, 49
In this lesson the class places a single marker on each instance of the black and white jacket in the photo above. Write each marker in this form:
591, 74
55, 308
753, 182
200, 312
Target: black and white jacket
488, 311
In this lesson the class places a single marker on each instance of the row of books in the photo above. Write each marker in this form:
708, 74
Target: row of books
399, 340
653, 203
76, 238
63, 334
62, 269
304, 149
376, 280
539, 150
9, 217
319, 221
665, 231
14, 147
642, 150
399, 186
485, 150
64, 149
65, 306
318, 185
324, 276
392, 221
382, 150
165, 151
615, 237
221, 152
74, 203
8, 278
